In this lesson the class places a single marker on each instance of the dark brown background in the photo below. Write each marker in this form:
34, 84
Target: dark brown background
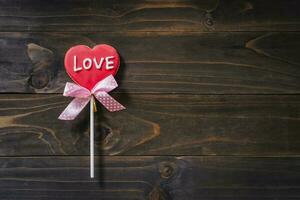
211, 89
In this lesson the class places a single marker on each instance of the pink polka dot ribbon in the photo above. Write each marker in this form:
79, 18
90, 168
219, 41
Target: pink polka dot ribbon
83, 96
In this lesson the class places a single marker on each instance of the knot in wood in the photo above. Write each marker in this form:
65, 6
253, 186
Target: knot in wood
157, 194
102, 133
39, 79
208, 21
166, 170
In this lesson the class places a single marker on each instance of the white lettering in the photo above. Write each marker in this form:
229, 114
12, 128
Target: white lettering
89, 65
98, 65
76, 69
109, 64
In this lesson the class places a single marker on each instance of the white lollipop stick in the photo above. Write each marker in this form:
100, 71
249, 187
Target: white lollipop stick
92, 137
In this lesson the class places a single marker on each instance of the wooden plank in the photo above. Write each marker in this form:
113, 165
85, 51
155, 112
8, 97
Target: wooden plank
149, 16
150, 178
154, 125
254, 15
207, 63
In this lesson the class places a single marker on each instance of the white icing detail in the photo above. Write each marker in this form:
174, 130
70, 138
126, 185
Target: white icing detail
87, 67
98, 65
76, 69
109, 64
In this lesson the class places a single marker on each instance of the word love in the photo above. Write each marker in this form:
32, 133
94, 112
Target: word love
87, 63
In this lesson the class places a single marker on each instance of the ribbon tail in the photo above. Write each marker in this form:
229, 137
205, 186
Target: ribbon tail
108, 102
74, 108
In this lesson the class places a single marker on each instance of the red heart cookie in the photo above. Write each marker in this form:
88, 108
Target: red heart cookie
88, 66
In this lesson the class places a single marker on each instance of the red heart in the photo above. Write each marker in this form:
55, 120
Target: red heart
88, 66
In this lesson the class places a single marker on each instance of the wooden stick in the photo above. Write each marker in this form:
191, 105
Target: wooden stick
92, 102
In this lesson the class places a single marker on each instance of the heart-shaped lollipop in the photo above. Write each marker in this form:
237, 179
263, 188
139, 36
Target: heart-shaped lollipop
93, 71
88, 66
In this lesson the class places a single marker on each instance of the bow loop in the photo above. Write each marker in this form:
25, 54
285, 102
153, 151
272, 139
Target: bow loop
106, 85
74, 90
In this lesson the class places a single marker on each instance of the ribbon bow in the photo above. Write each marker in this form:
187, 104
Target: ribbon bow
83, 96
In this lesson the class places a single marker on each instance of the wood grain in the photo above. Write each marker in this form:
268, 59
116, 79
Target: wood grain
154, 125
154, 178
149, 16
206, 63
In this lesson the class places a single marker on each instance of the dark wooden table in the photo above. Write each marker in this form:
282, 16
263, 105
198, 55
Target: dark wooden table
212, 90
